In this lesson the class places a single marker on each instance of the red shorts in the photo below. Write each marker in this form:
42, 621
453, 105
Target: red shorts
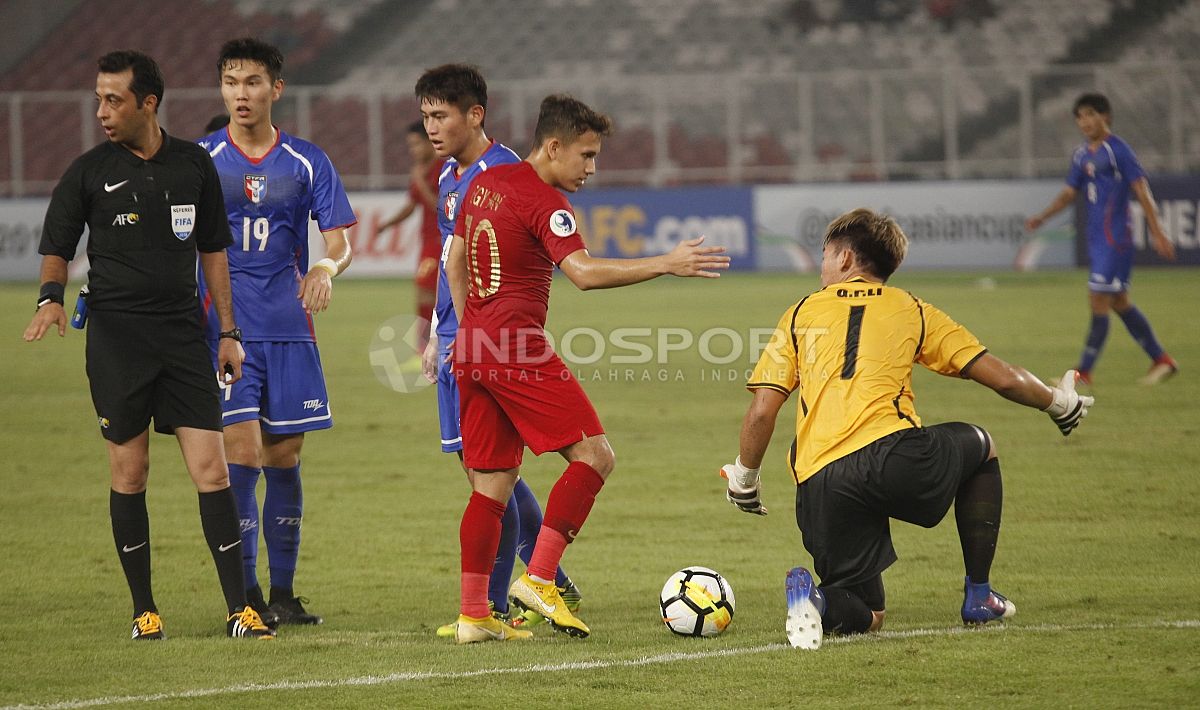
504, 408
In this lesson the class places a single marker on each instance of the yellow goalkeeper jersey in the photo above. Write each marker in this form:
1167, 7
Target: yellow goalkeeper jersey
849, 349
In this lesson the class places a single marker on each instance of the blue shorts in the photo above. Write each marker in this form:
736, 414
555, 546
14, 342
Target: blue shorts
1110, 270
447, 396
282, 386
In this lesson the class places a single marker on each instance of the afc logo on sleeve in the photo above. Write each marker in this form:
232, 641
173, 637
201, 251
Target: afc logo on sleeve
183, 219
562, 223
255, 187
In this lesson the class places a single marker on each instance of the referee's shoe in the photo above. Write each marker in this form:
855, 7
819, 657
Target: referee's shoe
248, 624
148, 627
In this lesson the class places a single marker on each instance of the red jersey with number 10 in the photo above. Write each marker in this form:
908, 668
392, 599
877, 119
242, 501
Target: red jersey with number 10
516, 228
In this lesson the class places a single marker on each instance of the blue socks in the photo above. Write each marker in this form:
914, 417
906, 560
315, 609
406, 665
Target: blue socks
283, 510
531, 525
519, 530
506, 557
243, 480
1141, 331
1097, 334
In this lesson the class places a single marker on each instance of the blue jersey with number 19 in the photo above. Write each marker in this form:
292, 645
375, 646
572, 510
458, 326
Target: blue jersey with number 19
269, 201
452, 188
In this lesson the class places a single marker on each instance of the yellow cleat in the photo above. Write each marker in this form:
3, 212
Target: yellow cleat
546, 601
247, 624
148, 627
489, 628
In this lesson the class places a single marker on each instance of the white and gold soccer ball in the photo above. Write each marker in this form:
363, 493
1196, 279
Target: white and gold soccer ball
697, 601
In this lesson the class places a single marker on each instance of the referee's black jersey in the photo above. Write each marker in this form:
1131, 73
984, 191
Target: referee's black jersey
146, 219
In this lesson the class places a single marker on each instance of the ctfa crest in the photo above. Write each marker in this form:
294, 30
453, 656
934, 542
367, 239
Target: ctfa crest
256, 188
451, 205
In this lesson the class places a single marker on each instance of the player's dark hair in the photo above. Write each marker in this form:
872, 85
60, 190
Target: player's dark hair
251, 49
566, 118
418, 127
147, 77
1096, 102
216, 123
878, 243
459, 85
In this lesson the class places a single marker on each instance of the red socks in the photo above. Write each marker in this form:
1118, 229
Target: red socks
478, 536
570, 501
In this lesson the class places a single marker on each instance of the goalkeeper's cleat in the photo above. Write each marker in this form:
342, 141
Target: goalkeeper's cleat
803, 625
290, 610
247, 624
981, 604
489, 628
147, 626
545, 600
254, 597
1164, 368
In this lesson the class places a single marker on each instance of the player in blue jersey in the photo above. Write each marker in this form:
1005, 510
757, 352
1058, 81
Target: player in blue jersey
1106, 171
453, 101
273, 182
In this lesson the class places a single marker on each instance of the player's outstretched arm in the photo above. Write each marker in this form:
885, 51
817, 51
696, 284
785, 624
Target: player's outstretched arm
1064, 405
1061, 201
1158, 238
688, 258
757, 427
316, 290
49, 312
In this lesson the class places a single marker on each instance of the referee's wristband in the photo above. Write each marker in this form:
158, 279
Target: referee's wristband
329, 265
52, 292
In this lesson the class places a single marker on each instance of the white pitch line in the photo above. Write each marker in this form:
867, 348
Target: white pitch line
370, 680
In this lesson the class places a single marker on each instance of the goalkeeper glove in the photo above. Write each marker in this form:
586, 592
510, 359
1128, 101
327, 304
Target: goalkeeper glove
1068, 406
743, 487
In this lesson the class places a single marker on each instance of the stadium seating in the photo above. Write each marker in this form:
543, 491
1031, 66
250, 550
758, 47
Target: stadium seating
701, 90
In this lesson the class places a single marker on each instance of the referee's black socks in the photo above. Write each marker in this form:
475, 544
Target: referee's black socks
219, 517
131, 533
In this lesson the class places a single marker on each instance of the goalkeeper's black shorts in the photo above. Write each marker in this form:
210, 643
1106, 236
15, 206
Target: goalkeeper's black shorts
913, 475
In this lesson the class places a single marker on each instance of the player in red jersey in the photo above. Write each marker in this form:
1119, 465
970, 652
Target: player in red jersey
513, 227
422, 192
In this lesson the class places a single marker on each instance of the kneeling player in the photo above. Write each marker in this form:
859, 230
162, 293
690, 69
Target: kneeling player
861, 456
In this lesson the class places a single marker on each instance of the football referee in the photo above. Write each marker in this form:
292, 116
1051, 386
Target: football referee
150, 203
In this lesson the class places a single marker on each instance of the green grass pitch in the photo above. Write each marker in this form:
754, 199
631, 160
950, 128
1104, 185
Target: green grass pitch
1099, 546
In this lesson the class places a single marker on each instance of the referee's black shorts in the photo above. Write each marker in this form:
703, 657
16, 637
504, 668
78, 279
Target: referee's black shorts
911, 475
150, 366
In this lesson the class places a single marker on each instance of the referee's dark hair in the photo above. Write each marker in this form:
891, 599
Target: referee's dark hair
147, 77
252, 49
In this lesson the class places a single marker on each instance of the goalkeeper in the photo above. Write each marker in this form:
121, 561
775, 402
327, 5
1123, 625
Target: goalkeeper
861, 455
